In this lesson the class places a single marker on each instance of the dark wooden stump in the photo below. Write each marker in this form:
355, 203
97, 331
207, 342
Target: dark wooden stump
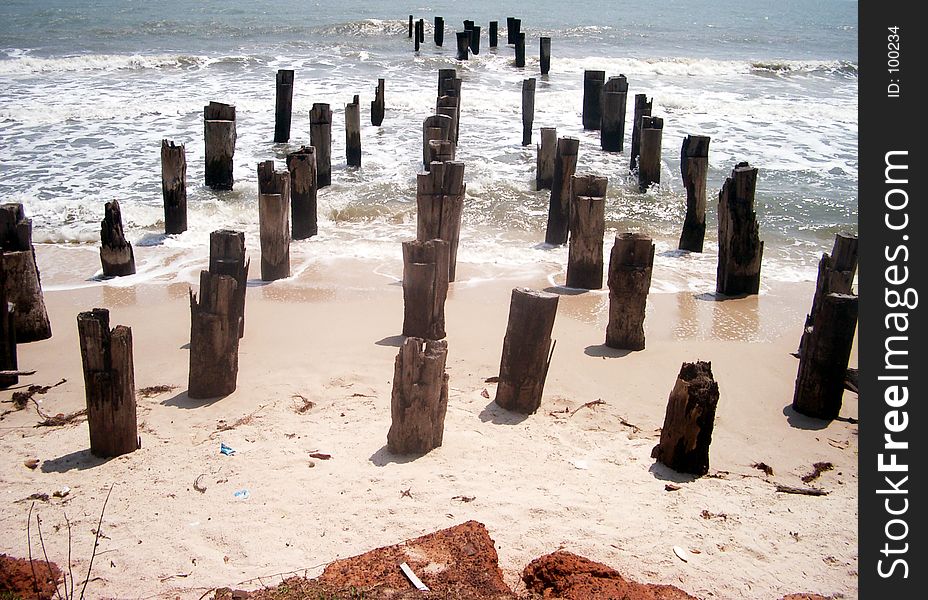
435, 127
740, 248
320, 138
109, 384
587, 218
545, 158
520, 50
214, 329
593, 82
565, 165
274, 221
303, 188
449, 84
353, 133
824, 357
174, 186
227, 257
528, 110
440, 201
612, 135
642, 109
22, 283
420, 397
439, 32
463, 40
544, 54
417, 35
516, 31
283, 106
475, 40
630, 265
421, 31
7, 334
410, 27
510, 28
835, 271
649, 164
377, 104
494, 34
690, 418
527, 350
448, 106
440, 151
115, 251
425, 288
219, 135
694, 167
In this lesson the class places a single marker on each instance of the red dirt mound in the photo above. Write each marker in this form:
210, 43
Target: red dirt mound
16, 577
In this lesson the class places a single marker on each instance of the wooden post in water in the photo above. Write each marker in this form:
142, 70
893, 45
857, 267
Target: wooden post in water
545, 158
494, 34
544, 54
520, 50
565, 165
527, 350
115, 251
516, 30
21, 281
528, 110
439, 32
219, 135
463, 39
174, 186
353, 132
417, 35
227, 257
824, 356
475, 40
449, 84
740, 248
593, 82
377, 105
214, 335
109, 384
425, 288
642, 108
7, 334
440, 151
421, 31
435, 127
283, 106
612, 135
439, 202
510, 27
320, 138
689, 420
630, 265
448, 105
410, 26
694, 167
649, 164
420, 397
587, 216
274, 221
303, 187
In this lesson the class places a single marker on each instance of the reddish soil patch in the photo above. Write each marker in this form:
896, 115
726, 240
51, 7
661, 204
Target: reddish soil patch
16, 577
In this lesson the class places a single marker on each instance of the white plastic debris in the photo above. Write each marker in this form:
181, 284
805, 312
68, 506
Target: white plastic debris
412, 578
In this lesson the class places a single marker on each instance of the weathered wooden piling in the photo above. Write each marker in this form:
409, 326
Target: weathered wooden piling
516, 30
642, 108
416, 35
410, 27
320, 138
219, 136
420, 397
835, 271
109, 384
612, 134
740, 248
425, 288
587, 217
449, 84
449, 106
115, 251
545, 158
284, 105
475, 40
227, 257
421, 31
8, 361
439, 202
649, 163
527, 350
274, 221
353, 132
22, 283
439, 32
694, 167
689, 420
520, 50
630, 265
377, 104
303, 188
565, 165
510, 28
214, 335
544, 54
528, 110
593, 82
440, 151
824, 356
494, 34
174, 186
435, 127
463, 40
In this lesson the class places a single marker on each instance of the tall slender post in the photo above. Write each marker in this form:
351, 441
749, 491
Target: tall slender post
649, 167
303, 188
417, 35
593, 82
544, 162
219, 135
8, 360
410, 27
642, 108
612, 135
439, 31
740, 248
494, 34
174, 186
520, 50
353, 133
528, 110
694, 168
274, 221
565, 164
510, 29
377, 104
544, 54
463, 40
320, 138
440, 202
435, 127
475, 39
283, 106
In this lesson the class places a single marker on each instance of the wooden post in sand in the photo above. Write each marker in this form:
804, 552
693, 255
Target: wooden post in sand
7, 334
642, 108
629, 281
494, 34
835, 272
439, 32
303, 187
109, 384
320, 138
694, 167
377, 104
593, 82
439, 202
649, 163
115, 251
612, 134
353, 133
283, 106
527, 350
440, 151
219, 135
824, 356
274, 221
545, 157
174, 186
689, 420
22, 283
528, 110
463, 40
565, 164
520, 50
435, 127
425, 288
214, 335
420, 397
227, 257
544, 54
587, 218
740, 248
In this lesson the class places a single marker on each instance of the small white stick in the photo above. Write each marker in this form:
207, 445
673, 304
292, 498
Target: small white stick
412, 577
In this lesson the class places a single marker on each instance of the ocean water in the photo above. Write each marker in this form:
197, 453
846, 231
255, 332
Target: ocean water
89, 89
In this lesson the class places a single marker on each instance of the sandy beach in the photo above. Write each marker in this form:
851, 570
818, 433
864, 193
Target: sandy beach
315, 375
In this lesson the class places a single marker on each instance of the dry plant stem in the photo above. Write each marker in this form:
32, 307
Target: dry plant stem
96, 540
35, 578
70, 570
48, 564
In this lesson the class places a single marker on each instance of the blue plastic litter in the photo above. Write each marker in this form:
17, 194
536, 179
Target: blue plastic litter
226, 449
242, 494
